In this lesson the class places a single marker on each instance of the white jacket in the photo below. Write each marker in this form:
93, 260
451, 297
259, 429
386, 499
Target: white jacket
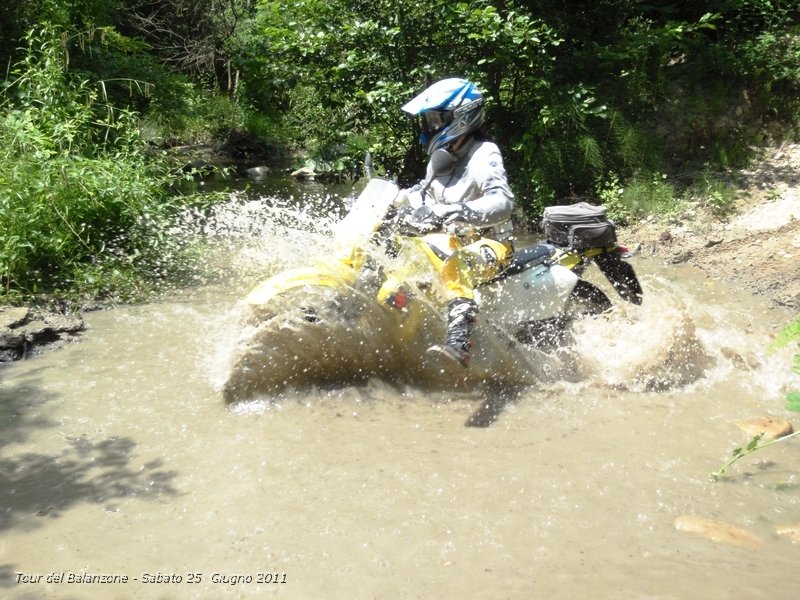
476, 180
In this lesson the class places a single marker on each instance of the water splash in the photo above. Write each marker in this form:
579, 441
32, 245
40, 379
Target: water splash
247, 238
651, 347
314, 334
318, 336
677, 338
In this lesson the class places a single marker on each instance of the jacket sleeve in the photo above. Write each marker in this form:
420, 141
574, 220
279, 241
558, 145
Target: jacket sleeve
495, 202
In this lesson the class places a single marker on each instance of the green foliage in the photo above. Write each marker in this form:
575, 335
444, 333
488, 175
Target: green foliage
83, 204
644, 194
204, 117
350, 66
793, 398
752, 446
571, 95
619, 98
714, 193
653, 194
787, 335
18, 18
790, 335
177, 109
610, 193
618, 86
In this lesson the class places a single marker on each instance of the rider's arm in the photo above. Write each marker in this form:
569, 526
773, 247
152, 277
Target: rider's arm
496, 201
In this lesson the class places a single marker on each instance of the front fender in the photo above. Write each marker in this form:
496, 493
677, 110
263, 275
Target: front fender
325, 275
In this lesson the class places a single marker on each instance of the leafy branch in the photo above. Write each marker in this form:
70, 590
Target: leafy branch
751, 447
789, 334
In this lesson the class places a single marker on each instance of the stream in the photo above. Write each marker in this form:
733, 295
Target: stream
123, 474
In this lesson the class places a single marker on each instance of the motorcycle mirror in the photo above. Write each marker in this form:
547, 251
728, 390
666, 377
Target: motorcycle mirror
369, 169
442, 162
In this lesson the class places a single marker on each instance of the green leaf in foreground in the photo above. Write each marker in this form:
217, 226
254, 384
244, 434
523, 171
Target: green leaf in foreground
793, 401
789, 334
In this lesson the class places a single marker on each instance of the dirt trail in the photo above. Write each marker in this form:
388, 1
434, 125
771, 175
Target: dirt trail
756, 247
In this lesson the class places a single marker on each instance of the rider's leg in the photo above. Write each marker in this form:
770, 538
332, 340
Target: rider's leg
461, 310
475, 263
461, 314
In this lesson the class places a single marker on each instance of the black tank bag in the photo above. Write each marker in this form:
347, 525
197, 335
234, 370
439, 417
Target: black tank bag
579, 226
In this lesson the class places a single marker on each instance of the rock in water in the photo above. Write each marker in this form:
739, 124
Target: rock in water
771, 428
718, 531
304, 173
12, 316
789, 532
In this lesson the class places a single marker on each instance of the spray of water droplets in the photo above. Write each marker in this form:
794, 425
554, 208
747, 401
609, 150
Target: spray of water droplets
675, 339
318, 337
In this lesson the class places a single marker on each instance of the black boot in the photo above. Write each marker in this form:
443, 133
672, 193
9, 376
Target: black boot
461, 314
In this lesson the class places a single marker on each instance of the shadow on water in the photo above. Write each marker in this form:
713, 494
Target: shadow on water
18, 407
45, 485
36, 486
494, 400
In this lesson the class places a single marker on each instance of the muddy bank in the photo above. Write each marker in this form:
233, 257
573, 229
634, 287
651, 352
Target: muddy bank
755, 247
26, 331
765, 263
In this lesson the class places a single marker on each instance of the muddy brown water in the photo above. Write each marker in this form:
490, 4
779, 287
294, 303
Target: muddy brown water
119, 460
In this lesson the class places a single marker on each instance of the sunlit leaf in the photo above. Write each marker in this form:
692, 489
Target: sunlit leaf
754, 442
788, 334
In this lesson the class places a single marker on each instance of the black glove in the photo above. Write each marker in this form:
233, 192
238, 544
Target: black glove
464, 214
424, 220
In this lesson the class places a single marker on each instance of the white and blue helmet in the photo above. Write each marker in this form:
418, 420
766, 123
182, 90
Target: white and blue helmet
447, 110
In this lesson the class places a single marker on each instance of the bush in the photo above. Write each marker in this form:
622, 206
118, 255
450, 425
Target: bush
81, 200
644, 194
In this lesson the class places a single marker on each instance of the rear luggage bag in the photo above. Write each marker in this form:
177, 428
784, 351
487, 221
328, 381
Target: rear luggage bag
579, 226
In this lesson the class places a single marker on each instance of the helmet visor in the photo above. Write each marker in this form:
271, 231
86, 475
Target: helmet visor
435, 120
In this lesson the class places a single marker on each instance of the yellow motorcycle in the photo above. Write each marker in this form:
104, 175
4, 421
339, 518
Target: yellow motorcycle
374, 304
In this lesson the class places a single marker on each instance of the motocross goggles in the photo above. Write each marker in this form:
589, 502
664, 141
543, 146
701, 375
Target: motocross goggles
433, 121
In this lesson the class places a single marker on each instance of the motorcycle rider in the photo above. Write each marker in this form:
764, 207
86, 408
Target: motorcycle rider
465, 184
